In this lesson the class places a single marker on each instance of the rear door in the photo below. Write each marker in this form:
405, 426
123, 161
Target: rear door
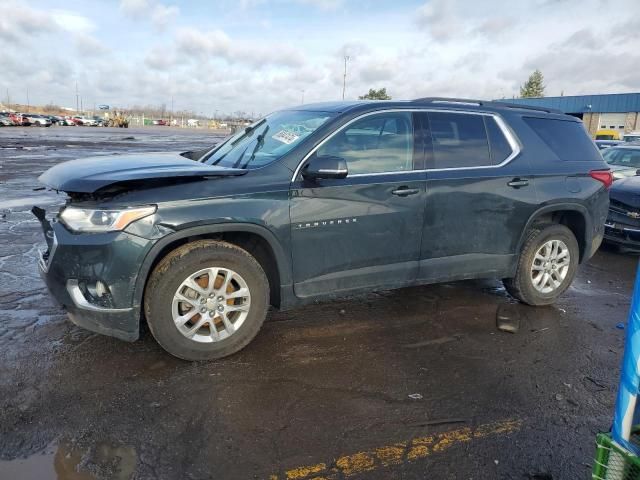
479, 196
364, 230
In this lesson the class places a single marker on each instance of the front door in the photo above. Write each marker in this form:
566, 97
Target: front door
480, 197
362, 231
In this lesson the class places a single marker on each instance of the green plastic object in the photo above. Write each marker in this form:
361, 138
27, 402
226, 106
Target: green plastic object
613, 462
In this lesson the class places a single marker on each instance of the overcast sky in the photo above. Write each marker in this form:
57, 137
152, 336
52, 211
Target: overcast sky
258, 55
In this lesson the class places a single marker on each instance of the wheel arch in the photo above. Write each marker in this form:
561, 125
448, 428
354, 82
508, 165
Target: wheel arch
257, 240
572, 215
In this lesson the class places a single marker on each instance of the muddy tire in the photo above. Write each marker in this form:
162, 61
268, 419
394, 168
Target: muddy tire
206, 300
546, 267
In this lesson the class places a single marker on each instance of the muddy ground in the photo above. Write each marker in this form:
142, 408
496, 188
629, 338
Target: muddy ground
408, 384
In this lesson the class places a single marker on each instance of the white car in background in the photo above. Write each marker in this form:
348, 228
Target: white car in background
37, 120
631, 137
85, 121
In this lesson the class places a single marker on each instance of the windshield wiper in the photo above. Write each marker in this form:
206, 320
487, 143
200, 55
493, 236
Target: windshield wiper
251, 128
259, 143
247, 131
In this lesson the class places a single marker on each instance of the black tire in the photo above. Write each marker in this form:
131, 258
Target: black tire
177, 266
521, 286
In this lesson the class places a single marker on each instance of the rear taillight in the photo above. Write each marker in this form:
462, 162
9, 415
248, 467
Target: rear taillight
604, 176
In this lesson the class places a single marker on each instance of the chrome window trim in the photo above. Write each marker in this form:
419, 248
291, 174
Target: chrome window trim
502, 125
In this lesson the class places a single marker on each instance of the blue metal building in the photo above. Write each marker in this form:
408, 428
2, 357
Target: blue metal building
611, 103
617, 111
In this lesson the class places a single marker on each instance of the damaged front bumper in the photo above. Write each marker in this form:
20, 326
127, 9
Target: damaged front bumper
93, 276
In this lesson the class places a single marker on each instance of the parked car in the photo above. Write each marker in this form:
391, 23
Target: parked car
15, 118
23, 119
160, 122
623, 160
632, 137
5, 121
623, 222
66, 121
602, 144
84, 121
320, 201
38, 120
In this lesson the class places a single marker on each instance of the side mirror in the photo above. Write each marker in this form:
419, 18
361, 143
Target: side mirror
328, 166
638, 172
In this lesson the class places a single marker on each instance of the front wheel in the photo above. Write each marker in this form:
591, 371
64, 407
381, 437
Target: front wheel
547, 265
206, 300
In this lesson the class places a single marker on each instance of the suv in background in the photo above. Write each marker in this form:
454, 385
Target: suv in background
319, 201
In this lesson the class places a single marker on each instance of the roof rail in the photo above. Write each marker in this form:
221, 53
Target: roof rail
479, 103
526, 107
451, 101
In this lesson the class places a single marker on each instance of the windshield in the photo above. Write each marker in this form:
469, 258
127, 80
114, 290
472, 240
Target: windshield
624, 157
267, 140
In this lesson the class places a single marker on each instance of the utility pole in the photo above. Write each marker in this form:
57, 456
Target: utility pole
28, 100
8, 100
344, 79
171, 119
77, 104
303, 96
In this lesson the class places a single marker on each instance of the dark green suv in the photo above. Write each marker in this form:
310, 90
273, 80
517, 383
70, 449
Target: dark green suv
319, 201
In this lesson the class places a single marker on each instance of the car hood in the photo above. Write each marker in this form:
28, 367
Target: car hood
620, 171
88, 175
627, 191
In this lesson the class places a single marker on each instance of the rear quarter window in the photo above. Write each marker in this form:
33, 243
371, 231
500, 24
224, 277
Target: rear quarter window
568, 139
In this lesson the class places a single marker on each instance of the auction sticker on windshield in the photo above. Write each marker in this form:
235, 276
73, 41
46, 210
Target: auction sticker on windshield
285, 136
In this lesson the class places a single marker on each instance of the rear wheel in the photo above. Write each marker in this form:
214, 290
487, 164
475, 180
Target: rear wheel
547, 265
206, 300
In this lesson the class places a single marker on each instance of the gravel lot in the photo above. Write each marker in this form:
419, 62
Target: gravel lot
409, 384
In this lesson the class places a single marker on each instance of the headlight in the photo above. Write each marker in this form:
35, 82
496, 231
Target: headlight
88, 220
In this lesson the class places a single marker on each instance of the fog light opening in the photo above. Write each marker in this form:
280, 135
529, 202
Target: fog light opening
101, 289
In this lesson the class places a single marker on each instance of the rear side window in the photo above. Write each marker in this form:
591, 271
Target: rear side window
500, 148
459, 140
568, 140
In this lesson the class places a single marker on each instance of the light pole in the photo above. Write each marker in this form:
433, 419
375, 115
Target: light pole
344, 78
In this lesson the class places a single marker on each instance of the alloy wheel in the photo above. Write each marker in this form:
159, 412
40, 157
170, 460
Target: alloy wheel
211, 304
550, 266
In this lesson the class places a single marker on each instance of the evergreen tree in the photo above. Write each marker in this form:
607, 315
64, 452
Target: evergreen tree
534, 86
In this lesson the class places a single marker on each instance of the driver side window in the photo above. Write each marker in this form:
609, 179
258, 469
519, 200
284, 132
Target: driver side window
374, 144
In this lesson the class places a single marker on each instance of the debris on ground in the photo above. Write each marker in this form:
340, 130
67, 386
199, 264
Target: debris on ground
507, 319
416, 396
436, 341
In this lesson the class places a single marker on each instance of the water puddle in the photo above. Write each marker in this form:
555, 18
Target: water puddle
65, 462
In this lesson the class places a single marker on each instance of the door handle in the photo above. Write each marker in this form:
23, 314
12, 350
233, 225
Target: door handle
518, 182
405, 192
